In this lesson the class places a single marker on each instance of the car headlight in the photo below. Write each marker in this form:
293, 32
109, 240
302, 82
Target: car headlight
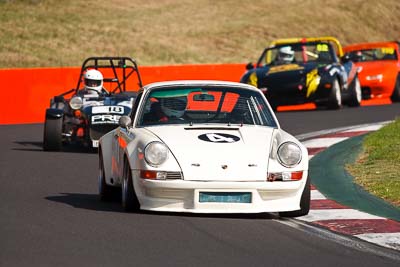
156, 153
76, 102
289, 154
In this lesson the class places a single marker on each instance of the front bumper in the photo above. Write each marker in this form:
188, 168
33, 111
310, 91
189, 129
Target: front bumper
183, 196
295, 96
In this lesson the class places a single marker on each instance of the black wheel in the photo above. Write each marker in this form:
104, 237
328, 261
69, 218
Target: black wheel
355, 93
105, 190
52, 137
129, 199
304, 203
335, 98
396, 92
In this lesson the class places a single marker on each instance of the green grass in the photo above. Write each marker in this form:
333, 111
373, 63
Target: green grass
46, 33
378, 166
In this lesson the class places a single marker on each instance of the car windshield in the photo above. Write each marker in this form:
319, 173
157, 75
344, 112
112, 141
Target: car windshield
298, 53
205, 105
381, 53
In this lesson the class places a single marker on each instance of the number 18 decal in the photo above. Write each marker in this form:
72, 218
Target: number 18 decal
116, 109
108, 109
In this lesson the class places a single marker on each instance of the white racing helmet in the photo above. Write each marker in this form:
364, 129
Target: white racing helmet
93, 80
174, 107
286, 54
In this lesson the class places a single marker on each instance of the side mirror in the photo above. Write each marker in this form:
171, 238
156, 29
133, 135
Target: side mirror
249, 66
345, 58
124, 121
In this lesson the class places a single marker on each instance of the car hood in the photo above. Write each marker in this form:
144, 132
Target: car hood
106, 110
219, 153
107, 105
108, 101
292, 74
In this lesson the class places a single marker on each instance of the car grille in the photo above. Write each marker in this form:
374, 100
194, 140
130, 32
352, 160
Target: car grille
274, 194
174, 175
97, 131
169, 193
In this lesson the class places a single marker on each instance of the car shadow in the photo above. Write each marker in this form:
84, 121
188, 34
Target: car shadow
28, 146
38, 147
87, 201
92, 202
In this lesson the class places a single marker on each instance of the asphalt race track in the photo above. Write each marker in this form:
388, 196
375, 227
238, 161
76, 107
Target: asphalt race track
50, 214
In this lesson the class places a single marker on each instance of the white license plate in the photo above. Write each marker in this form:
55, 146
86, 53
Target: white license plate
95, 143
227, 197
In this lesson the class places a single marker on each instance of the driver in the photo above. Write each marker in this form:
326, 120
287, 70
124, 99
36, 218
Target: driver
174, 107
285, 55
93, 80
165, 109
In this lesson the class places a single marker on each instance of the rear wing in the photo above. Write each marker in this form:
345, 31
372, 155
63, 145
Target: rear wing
332, 40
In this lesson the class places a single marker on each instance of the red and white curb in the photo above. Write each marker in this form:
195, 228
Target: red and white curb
345, 220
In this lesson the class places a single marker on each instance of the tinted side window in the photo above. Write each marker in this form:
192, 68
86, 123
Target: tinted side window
135, 106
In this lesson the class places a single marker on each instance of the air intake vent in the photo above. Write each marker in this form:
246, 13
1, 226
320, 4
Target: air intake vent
212, 128
174, 175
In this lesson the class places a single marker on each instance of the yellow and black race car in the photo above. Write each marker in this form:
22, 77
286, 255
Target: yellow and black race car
302, 70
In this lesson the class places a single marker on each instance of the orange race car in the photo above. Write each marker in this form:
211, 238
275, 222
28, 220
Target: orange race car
379, 68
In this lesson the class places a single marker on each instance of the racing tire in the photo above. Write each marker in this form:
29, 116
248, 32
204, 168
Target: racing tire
106, 192
304, 203
335, 98
355, 93
52, 136
128, 197
395, 97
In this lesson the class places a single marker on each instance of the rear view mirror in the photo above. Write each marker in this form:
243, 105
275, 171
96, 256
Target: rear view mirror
345, 58
203, 97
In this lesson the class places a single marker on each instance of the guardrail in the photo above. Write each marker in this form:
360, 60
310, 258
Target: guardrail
26, 93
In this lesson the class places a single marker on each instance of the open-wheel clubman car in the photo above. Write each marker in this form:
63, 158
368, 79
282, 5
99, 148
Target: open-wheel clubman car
204, 147
105, 91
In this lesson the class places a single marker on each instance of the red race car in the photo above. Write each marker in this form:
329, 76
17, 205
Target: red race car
379, 68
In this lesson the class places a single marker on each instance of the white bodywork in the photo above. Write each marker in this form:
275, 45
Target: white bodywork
238, 164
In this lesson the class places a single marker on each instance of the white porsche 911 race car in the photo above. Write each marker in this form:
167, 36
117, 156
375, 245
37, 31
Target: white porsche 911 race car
204, 147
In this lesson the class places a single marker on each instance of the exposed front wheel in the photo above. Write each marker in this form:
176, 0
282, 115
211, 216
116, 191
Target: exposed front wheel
52, 136
335, 98
355, 93
304, 203
128, 199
